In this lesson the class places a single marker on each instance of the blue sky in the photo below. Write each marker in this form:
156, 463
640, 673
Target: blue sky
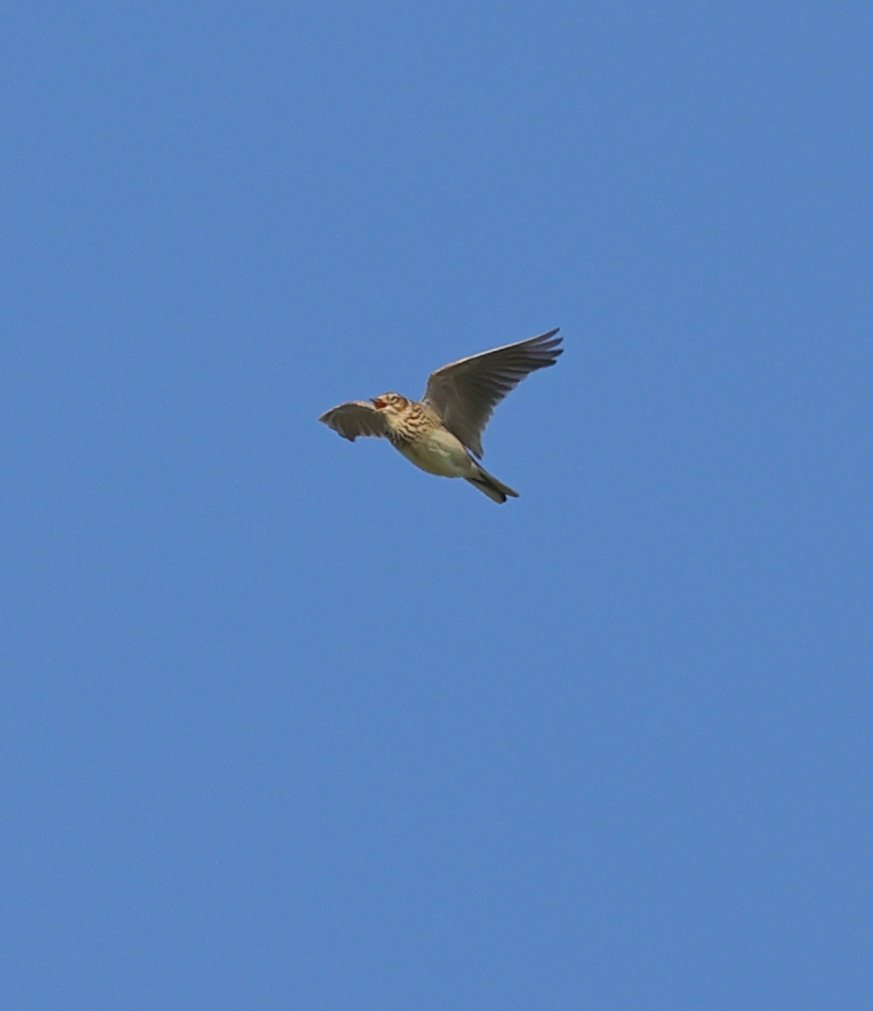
289, 723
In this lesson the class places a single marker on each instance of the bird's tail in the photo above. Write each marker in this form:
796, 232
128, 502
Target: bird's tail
490, 486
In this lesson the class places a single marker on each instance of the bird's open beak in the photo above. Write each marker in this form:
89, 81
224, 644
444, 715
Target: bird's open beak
377, 403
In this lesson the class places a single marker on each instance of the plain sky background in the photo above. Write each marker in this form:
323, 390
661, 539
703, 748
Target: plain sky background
287, 723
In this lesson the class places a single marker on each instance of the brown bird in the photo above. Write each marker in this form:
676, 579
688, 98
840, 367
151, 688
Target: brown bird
442, 433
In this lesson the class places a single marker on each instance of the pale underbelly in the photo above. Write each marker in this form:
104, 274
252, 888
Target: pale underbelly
441, 454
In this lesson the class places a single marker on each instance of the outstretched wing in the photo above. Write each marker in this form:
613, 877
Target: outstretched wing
355, 418
465, 393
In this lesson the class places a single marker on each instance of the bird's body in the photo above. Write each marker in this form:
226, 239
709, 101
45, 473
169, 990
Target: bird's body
433, 448
441, 434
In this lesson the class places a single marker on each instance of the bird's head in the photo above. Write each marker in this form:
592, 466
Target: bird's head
390, 403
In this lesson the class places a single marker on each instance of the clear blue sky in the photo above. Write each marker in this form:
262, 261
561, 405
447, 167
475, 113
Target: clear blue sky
287, 723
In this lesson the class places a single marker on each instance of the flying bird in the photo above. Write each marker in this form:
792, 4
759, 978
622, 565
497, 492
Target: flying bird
442, 433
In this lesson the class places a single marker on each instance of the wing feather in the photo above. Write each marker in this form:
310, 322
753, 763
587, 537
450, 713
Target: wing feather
357, 417
466, 392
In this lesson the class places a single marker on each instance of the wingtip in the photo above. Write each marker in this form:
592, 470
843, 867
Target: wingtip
547, 338
549, 343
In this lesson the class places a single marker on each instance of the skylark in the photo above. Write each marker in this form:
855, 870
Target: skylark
442, 433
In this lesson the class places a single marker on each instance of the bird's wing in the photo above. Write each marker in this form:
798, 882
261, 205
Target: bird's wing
465, 393
355, 418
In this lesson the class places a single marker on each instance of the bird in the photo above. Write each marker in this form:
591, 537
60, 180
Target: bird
442, 432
